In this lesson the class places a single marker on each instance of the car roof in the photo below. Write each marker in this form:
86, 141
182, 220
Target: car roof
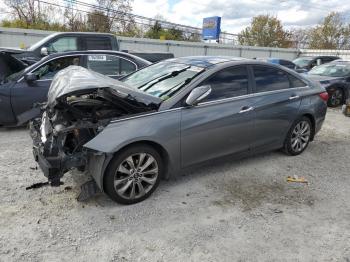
111, 52
81, 33
205, 61
319, 56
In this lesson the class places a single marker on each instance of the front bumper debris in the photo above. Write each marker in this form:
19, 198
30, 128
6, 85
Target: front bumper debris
50, 157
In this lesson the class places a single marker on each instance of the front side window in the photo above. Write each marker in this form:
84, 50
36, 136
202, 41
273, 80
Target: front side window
270, 79
110, 65
229, 82
51, 68
302, 61
63, 44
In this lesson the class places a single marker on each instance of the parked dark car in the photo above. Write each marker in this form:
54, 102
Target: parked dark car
129, 134
63, 42
335, 78
72, 41
308, 62
283, 62
21, 89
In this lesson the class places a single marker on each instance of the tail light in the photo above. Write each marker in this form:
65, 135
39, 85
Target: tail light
324, 96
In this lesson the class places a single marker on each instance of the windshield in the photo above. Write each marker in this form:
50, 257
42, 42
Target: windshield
162, 79
40, 43
302, 61
336, 70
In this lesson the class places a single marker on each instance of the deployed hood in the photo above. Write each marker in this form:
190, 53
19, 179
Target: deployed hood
9, 65
74, 79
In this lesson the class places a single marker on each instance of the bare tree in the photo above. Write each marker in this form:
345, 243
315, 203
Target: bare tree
118, 13
28, 11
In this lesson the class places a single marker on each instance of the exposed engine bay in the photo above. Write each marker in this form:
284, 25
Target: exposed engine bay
73, 118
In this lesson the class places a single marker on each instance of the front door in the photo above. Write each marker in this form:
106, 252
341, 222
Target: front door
24, 94
223, 123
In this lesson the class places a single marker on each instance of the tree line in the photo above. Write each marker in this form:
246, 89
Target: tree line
114, 16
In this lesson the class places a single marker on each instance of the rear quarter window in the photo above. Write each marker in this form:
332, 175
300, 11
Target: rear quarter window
97, 43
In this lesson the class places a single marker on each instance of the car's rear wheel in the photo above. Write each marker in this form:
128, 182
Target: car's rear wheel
133, 174
336, 97
298, 137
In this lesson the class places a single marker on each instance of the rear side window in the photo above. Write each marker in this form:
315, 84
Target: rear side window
229, 82
296, 82
110, 65
270, 79
98, 43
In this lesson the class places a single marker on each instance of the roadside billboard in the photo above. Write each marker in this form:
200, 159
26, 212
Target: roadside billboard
211, 28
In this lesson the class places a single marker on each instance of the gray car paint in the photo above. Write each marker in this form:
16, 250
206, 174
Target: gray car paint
190, 135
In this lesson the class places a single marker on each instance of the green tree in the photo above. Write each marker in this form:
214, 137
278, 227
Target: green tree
332, 33
155, 31
265, 30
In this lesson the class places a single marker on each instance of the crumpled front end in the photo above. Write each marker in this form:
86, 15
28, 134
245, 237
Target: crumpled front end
75, 117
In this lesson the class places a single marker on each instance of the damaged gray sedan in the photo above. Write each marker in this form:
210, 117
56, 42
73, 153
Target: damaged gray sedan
129, 134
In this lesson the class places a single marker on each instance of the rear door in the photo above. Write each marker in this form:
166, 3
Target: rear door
223, 123
277, 100
24, 94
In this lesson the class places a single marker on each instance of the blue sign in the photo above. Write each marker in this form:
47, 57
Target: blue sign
211, 28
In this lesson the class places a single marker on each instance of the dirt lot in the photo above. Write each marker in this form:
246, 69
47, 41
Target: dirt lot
233, 211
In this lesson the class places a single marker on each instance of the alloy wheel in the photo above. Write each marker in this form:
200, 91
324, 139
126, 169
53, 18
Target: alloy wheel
300, 136
136, 176
336, 97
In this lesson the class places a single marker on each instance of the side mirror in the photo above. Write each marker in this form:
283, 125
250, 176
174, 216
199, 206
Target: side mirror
319, 62
198, 94
30, 77
44, 51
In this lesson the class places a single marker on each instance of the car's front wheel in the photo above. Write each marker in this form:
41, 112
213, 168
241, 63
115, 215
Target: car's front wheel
336, 97
133, 174
298, 137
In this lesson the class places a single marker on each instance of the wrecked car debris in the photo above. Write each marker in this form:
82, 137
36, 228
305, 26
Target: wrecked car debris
80, 104
37, 185
88, 190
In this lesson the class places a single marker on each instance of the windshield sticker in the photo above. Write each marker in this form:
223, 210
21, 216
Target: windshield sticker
97, 58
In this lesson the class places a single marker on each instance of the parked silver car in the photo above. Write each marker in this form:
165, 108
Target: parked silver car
177, 113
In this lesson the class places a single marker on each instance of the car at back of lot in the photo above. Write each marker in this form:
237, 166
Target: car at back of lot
283, 62
29, 85
308, 62
335, 78
171, 115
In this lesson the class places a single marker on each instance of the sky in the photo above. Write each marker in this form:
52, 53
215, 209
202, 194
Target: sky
236, 14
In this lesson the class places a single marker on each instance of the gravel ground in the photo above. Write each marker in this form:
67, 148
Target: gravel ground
232, 211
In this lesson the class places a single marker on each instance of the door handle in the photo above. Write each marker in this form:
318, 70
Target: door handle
246, 109
293, 97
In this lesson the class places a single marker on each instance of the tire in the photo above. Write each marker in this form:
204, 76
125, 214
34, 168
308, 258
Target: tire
336, 97
129, 181
298, 137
